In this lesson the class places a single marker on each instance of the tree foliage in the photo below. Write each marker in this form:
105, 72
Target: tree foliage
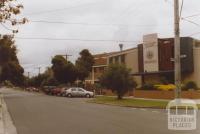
84, 64
44, 79
8, 11
10, 67
117, 78
64, 71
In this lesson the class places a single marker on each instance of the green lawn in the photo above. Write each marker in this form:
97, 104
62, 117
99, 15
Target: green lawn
129, 102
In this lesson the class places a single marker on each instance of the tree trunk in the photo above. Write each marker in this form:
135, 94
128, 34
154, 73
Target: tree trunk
119, 97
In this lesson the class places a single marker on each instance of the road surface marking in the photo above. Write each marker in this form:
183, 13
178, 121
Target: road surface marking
156, 112
142, 109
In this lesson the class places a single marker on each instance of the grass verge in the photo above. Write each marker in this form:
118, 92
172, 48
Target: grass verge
128, 102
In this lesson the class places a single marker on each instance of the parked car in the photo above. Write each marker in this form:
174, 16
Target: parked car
63, 91
78, 92
57, 91
32, 89
48, 89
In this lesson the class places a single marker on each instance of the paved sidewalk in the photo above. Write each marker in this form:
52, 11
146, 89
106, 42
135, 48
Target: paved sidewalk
132, 97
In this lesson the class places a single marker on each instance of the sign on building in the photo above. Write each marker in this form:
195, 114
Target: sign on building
150, 53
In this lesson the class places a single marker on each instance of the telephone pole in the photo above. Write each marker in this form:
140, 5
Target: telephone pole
39, 68
65, 55
177, 55
28, 74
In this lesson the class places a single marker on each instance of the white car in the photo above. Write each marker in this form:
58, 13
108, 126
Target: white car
78, 92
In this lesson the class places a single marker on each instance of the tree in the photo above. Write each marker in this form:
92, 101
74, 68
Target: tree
10, 67
84, 64
44, 79
64, 71
9, 9
8, 51
117, 78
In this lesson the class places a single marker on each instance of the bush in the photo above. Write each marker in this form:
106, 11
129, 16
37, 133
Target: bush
7, 84
147, 86
190, 85
164, 81
168, 87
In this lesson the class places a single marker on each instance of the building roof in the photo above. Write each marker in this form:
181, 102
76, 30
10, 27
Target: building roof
123, 52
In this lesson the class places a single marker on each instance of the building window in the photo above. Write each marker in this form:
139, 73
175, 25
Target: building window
117, 59
101, 69
197, 45
123, 59
95, 70
111, 60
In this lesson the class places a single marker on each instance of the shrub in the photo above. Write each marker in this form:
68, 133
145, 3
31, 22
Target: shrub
190, 85
168, 87
164, 81
147, 86
7, 84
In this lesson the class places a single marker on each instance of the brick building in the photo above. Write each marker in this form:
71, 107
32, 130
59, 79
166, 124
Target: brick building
152, 60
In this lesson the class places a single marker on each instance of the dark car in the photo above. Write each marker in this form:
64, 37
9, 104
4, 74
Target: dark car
48, 89
57, 91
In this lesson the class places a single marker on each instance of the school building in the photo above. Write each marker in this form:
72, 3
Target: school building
152, 61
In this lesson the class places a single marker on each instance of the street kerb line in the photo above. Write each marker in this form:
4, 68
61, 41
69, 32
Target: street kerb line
142, 109
156, 112
2, 130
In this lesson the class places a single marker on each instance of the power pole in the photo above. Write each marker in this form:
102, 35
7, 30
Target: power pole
28, 74
39, 68
66, 56
177, 55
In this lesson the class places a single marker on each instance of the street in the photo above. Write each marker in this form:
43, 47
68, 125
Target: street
34, 113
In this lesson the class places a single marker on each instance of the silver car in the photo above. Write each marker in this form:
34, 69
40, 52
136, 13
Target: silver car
78, 92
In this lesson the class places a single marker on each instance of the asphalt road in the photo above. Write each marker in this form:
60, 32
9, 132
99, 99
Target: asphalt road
41, 114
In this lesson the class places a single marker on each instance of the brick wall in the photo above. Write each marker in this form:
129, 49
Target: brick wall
165, 94
157, 94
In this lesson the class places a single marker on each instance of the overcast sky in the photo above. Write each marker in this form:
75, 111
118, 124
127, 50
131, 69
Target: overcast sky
102, 20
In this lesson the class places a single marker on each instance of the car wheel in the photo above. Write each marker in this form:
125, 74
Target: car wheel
69, 95
87, 96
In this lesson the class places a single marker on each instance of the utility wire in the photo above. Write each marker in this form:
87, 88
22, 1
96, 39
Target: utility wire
72, 23
62, 9
181, 8
194, 34
191, 22
195, 15
131, 9
53, 10
6, 27
66, 39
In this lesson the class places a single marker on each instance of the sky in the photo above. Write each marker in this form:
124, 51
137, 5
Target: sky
97, 25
